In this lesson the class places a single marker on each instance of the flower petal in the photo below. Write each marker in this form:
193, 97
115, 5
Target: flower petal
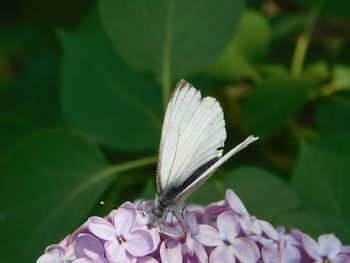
215, 209
101, 228
87, 242
208, 236
312, 247
245, 250
123, 218
200, 252
228, 225
341, 259
139, 243
250, 225
270, 254
54, 256
170, 251
191, 222
235, 203
269, 230
146, 260
222, 254
330, 245
83, 260
290, 254
116, 252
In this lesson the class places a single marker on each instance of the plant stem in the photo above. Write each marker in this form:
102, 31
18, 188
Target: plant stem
117, 168
166, 70
304, 38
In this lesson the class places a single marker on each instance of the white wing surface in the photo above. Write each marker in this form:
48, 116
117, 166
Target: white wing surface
193, 133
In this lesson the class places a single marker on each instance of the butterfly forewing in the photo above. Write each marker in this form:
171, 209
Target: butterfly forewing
192, 135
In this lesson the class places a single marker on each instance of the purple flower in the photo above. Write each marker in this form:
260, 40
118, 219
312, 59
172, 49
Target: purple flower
123, 242
171, 251
129, 234
194, 249
89, 247
250, 225
328, 249
228, 245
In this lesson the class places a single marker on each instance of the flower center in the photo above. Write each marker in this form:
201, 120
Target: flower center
226, 242
326, 260
120, 239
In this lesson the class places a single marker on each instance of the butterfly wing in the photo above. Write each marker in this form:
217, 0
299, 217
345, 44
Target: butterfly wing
193, 134
181, 195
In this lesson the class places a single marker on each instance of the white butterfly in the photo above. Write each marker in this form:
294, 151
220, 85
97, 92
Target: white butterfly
193, 135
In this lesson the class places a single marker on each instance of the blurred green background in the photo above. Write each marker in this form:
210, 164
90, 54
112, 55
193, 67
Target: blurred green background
83, 86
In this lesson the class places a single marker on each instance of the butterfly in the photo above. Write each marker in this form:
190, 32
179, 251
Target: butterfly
193, 135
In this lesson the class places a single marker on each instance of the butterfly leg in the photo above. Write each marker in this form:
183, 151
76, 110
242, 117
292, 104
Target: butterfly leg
181, 220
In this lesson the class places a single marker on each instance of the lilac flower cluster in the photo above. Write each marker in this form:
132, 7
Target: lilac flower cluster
126, 235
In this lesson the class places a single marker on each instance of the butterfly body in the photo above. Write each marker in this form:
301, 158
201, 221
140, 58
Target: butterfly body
193, 135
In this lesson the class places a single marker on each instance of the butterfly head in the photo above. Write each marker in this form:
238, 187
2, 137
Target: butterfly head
160, 207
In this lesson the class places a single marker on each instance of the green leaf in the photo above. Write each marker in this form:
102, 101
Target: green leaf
322, 178
175, 37
316, 223
253, 35
337, 8
249, 45
201, 196
338, 142
333, 115
341, 76
48, 184
38, 93
232, 65
264, 194
106, 99
272, 103
287, 25
13, 128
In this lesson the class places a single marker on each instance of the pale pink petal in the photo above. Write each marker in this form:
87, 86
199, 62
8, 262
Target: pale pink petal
345, 249
250, 225
269, 230
54, 256
101, 228
290, 254
191, 222
222, 254
146, 260
155, 237
330, 245
83, 229
170, 251
341, 259
215, 209
312, 247
83, 260
208, 236
246, 250
139, 243
235, 203
124, 217
87, 242
95, 257
116, 252
200, 252
270, 254
189, 244
228, 225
